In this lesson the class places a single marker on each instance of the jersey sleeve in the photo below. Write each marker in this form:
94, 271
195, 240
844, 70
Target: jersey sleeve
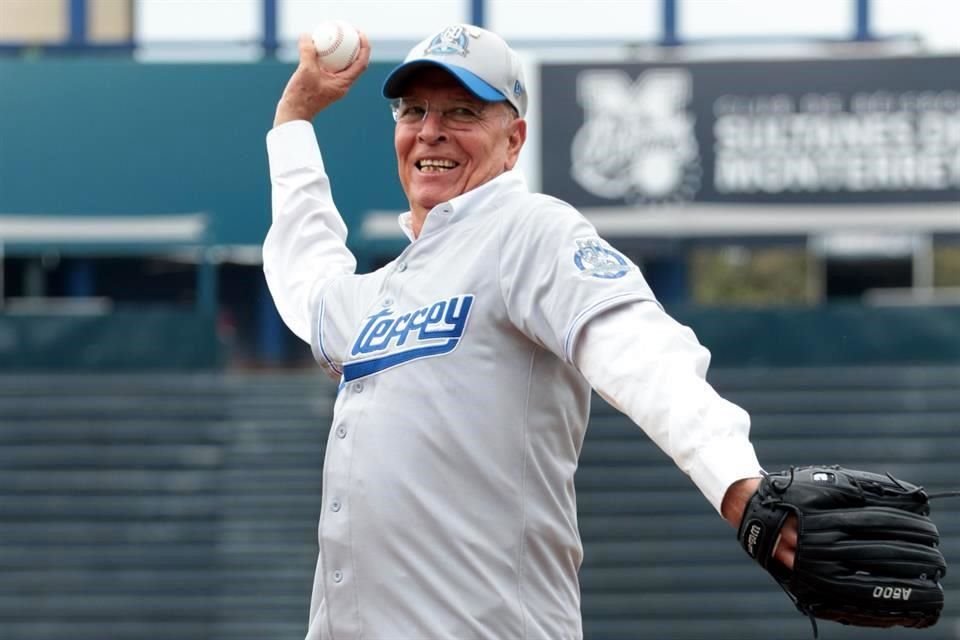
306, 243
652, 368
556, 273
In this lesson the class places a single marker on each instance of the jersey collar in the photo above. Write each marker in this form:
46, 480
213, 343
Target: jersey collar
448, 212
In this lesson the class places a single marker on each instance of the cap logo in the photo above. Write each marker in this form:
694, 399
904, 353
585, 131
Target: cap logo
517, 88
450, 41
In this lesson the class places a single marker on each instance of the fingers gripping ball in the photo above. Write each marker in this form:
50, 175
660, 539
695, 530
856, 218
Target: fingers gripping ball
337, 44
867, 551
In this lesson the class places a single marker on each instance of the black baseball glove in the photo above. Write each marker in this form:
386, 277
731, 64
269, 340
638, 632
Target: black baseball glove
866, 550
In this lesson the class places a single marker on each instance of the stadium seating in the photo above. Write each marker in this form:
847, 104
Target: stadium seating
185, 506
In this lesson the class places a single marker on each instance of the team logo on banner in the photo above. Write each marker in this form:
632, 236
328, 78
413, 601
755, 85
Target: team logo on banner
637, 141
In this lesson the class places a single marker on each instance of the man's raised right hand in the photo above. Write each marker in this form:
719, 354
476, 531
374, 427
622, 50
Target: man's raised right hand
311, 88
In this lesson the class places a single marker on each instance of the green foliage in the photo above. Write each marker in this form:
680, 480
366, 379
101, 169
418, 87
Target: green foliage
736, 275
946, 266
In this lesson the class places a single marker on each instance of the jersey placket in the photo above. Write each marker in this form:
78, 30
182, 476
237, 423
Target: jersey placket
342, 590
340, 583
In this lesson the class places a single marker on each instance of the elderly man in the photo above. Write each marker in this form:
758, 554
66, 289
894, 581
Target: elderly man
466, 364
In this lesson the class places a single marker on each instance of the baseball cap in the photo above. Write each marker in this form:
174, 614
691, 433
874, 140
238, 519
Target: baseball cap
479, 59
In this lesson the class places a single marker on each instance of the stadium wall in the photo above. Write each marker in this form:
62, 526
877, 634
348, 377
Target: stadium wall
118, 137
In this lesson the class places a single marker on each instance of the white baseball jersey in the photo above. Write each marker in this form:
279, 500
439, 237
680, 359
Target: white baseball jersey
448, 499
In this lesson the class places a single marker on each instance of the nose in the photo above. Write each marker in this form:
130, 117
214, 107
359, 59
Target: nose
431, 129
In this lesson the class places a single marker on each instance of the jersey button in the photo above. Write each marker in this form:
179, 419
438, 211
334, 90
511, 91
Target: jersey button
338, 576
335, 506
358, 387
402, 267
388, 302
341, 432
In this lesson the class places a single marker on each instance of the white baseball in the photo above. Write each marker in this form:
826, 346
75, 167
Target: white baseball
337, 44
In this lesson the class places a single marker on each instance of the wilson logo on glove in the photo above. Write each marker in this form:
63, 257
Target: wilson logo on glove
754, 529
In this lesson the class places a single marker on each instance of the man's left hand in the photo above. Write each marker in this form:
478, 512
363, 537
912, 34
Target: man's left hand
735, 501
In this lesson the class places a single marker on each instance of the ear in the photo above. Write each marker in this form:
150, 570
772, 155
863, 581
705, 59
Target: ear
515, 140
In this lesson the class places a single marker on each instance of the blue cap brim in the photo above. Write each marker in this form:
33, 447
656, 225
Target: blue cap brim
395, 82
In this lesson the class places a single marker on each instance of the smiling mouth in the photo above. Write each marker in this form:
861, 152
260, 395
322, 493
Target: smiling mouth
435, 166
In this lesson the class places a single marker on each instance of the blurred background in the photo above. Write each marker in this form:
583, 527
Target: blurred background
785, 173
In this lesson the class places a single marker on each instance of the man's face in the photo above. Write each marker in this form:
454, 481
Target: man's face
440, 157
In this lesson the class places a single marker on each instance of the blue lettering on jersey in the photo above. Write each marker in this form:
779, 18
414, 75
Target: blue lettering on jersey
432, 330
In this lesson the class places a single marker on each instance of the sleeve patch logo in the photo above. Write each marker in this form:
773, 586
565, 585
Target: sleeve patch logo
595, 258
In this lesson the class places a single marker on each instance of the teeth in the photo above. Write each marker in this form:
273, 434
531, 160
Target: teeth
433, 164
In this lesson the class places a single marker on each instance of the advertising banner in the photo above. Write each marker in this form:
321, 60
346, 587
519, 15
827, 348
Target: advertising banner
806, 132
